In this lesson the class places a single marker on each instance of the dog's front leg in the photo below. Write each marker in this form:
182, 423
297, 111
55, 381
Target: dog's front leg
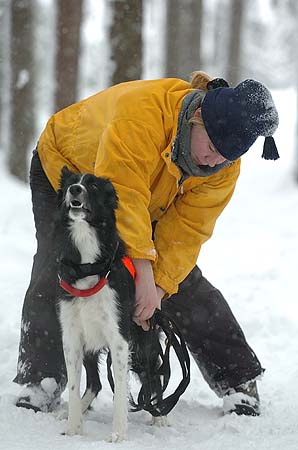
120, 354
73, 353
74, 361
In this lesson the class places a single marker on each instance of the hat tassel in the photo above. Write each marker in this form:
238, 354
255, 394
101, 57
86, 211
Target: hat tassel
269, 149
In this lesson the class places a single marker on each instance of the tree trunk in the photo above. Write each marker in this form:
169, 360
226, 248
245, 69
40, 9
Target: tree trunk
69, 17
294, 9
234, 47
125, 36
5, 75
22, 110
183, 37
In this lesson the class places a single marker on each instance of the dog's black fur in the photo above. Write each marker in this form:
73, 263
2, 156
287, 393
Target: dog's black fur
91, 202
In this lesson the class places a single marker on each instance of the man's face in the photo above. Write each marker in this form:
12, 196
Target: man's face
203, 152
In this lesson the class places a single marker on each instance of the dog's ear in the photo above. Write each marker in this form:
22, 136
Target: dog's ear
112, 197
59, 197
65, 172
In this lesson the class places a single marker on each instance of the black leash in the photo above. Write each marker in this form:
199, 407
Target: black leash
153, 402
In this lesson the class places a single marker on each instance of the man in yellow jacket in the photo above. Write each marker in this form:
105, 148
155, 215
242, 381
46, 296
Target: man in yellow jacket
172, 150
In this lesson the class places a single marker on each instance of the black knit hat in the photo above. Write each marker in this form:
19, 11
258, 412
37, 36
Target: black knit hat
235, 117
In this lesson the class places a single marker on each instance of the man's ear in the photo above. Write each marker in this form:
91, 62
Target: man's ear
198, 113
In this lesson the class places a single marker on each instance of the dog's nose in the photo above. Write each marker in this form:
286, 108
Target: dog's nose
75, 189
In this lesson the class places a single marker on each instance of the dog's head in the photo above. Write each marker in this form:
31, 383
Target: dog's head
87, 197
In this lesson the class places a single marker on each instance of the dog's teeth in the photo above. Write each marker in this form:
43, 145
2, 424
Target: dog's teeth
76, 204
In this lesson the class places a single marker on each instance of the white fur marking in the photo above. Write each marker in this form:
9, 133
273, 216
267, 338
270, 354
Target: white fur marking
85, 239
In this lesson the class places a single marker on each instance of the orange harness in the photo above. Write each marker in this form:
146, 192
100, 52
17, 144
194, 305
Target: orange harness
100, 284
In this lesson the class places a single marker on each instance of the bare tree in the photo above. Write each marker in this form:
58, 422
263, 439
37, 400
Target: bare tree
294, 11
4, 73
22, 115
126, 40
234, 47
183, 37
69, 18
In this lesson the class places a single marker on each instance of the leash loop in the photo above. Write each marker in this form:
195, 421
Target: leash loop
153, 402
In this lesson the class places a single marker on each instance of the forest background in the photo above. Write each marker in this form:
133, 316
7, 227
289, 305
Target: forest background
55, 52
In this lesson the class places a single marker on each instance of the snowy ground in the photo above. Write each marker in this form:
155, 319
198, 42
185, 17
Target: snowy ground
252, 258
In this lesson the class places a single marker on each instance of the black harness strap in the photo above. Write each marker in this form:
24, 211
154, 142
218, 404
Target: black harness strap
71, 272
153, 403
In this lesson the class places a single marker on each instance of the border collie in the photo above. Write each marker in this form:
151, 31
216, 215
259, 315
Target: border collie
96, 299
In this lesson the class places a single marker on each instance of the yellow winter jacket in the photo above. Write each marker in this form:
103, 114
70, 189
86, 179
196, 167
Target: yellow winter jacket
125, 133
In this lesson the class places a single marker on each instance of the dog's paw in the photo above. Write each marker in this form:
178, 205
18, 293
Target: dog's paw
160, 421
62, 413
116, 437
73, 429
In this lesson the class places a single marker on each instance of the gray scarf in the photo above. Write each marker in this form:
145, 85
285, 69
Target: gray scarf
181, 146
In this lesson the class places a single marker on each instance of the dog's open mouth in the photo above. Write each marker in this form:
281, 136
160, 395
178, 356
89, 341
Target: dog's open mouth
76, 206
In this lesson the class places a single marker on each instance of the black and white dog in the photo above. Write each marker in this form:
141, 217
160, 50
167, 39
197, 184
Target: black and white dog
96, 299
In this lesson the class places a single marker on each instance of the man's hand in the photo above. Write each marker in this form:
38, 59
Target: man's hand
148, 295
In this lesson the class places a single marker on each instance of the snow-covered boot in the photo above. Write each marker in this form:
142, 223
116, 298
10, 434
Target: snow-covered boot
243, 400
44, 396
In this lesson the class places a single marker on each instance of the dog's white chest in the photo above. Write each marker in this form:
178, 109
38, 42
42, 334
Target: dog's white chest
85, 239
94, 318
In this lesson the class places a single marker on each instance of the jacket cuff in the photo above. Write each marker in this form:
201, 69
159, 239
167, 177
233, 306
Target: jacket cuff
148, 253
167, 284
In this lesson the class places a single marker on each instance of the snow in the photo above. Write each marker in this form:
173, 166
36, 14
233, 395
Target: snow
252, 258
23, 79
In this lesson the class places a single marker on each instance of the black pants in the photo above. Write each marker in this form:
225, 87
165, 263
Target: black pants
212, 333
